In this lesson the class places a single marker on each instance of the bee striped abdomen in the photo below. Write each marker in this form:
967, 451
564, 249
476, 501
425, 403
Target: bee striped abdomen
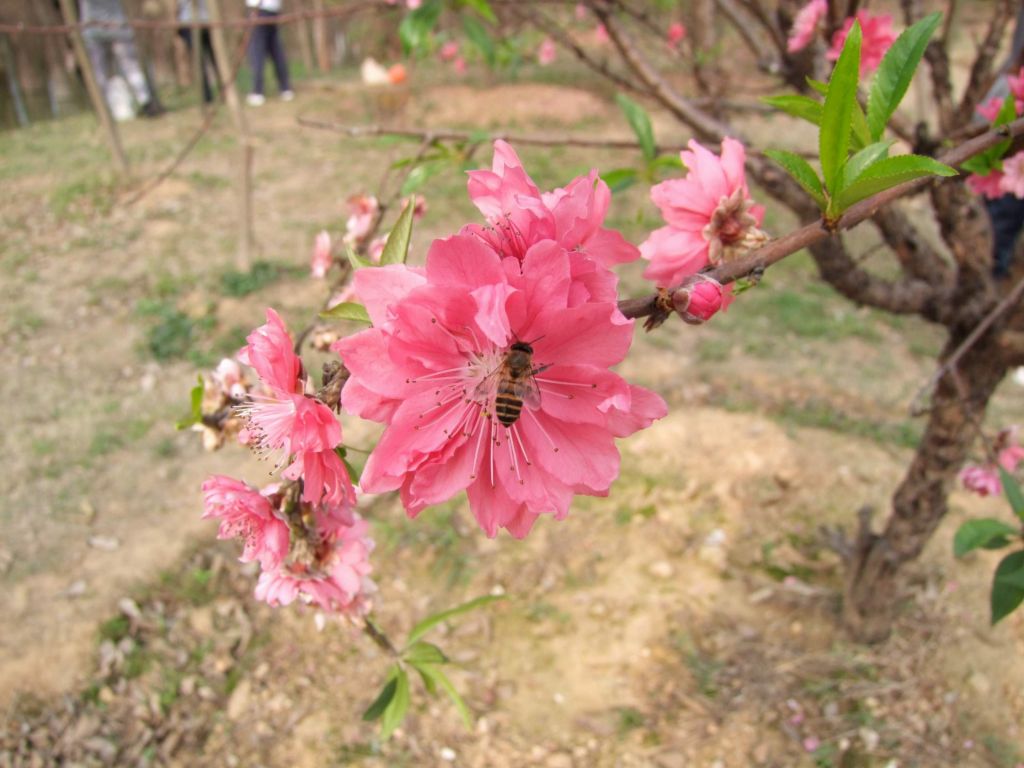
507, 403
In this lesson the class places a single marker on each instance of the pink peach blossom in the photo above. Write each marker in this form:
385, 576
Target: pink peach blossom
362, 213
520, 215
459, 65
676, 33
228, 377
376, 248
601, 36
990, 185
806, 25
581, 11
321, 261
878, 33
449, 50
324, 477
982, 480
1012, 182
547, 52
337, 580
990, 109
269, 351
246, 514
428, 370
710, 216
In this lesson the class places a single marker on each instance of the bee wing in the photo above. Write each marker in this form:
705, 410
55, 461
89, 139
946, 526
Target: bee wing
485, 387
529, 392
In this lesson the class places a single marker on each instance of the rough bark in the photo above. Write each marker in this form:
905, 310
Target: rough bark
919, 504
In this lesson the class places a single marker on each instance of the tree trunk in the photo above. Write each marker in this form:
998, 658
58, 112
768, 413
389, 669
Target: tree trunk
921, 501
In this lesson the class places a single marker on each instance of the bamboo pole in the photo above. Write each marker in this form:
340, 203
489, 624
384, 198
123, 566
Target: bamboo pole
195, 34
221, 54
99, 101
12, 81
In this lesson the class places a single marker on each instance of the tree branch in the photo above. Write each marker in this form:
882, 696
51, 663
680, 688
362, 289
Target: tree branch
917, 258
982, 72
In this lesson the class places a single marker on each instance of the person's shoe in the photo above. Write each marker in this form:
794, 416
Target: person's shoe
287, 95
255, 100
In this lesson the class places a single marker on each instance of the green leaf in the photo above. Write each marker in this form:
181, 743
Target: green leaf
415, 29
432, 621
483, 8
800, 170
837, 112
422, 173
394, 712
424, 653
860, 162
195, 397
890, 172
669, 162
640, 122
796, 105
896, 71
429, 682
985, 533
396, 249
620, 178
860, 136
1012, 490
357, 261
347, 310
818, 85
1008, 586
387, 693
353, 472
438, 677
480, 37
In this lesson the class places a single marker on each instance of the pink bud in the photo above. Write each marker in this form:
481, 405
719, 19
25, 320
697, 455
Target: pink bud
676, 33
698, 299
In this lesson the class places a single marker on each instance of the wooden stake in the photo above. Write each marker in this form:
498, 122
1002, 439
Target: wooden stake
99, 101
302, 33
196, 32
222, 55
323, 58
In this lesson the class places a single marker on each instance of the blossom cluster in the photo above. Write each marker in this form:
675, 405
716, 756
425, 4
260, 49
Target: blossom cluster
983, 479
877, 29
1008, 178
303, 530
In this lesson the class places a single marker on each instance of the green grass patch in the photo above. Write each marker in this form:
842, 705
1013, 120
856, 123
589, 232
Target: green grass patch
263, 273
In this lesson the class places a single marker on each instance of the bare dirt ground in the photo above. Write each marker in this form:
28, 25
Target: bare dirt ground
689, 619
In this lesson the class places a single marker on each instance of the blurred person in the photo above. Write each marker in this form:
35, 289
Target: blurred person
206, 55
102, 43
266, 39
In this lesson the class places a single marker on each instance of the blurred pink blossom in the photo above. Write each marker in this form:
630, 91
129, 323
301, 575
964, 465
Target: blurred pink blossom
676, 33
459, 65
878, 33
449, 50
229, 378
806, 25
990, 185
321, 261
1012, 182
547, 52
601, 34
982, 480
362, 213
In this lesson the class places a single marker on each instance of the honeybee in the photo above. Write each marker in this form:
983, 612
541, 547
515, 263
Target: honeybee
517, 384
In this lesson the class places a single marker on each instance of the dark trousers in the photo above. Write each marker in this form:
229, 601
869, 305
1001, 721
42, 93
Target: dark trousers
266, 39
1007, 214
206, 57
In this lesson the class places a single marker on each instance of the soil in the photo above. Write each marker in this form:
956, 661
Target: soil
688, 619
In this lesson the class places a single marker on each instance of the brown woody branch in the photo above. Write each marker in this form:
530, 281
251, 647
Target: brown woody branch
982, 71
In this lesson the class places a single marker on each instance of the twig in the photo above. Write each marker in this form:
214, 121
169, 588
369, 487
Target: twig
779, 249
379, 638
1008, 301
283, 18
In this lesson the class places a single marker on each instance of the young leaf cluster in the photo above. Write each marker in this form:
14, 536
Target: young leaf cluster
844, 127
427, 661
987, 533
653, 163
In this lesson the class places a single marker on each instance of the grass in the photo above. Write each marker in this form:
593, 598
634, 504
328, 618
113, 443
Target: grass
263, 273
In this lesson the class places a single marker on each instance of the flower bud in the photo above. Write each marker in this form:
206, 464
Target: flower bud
698, 299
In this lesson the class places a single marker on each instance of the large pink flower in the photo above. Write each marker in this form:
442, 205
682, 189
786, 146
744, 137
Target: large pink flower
709, 213
878, 38
990, 185
337, 580
246, 514
429, 369
806, 24
519, 214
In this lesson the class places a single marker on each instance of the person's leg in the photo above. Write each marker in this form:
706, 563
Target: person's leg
258, 55
1007, 215
98, 59
280, 63
128, 62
